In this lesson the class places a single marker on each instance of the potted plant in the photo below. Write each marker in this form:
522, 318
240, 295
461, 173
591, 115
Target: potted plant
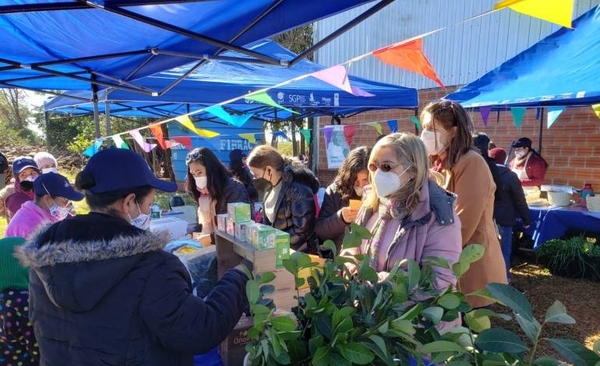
574, 257
351, 315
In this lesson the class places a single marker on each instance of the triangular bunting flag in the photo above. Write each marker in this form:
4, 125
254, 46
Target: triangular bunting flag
393, 125
137, 137
556, 11
485, 114
338, 77
248, 136
184, 140
264, 98
90, 151
349, 133
218, 111
328, 132
553, 113
307, 134
518, 113
596, 108
187, 122
409, 56
170, 144
377, 127
281, 134
416, 121
158, 133
119, 142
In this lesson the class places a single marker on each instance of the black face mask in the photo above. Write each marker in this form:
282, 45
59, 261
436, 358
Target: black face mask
26, 186
262, 184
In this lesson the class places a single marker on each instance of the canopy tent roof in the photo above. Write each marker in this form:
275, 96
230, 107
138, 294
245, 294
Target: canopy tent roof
72, 44
218, 81
560, 70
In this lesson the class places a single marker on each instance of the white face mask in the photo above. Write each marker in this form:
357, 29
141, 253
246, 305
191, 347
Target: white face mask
142, 221
359, 191
435, 142
30, 178
60, 213
387, 183
201, 182
519, 154
49, 170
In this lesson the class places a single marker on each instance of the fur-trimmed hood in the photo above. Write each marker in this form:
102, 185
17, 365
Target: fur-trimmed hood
79, 260
300, 173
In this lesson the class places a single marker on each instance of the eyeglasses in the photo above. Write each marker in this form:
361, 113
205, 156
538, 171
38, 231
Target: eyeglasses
193, 156
385, 167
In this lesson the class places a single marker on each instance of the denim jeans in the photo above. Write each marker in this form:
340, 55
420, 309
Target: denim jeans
506, 246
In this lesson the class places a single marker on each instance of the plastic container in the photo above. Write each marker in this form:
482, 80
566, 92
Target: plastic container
177, 227
155, 211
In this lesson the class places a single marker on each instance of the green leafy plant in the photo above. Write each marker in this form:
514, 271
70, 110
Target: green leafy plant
352, 315
574, 257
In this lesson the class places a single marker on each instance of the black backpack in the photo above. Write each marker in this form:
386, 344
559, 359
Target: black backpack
3, 163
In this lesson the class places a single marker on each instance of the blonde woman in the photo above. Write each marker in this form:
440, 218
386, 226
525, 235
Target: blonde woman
409, 215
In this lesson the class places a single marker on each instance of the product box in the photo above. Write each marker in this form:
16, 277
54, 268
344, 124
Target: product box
222, 222
355, 205
176, 227
239, 212
262, 236
230, 227
233, 348
282, 247
242, 231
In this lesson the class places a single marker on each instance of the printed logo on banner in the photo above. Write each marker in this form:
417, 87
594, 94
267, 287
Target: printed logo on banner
280, 97
249, 101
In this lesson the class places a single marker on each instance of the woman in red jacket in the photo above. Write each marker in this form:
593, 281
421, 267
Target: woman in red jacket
529, 166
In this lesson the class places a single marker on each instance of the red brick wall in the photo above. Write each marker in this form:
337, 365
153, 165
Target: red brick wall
571, 146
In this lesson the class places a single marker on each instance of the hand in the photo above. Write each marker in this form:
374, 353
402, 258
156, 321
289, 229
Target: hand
348, 214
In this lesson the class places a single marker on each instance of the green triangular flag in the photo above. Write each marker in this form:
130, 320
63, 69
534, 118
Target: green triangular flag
119, 142
264, 98
518, 113
307, 135
415, 120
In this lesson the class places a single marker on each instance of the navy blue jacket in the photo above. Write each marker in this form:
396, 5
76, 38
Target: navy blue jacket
510, 202
103, 292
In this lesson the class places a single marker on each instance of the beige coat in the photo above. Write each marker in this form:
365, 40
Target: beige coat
472, 182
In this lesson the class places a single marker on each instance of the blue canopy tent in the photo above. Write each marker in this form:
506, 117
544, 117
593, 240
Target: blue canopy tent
560, 70
72, 44
218, 81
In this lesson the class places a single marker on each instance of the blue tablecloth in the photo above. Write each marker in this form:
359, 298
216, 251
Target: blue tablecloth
553, 222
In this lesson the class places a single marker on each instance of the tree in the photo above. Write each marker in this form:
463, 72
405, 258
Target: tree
297, 40
13, 109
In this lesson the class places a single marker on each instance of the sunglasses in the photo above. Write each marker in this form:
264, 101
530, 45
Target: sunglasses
193, 156
385, 167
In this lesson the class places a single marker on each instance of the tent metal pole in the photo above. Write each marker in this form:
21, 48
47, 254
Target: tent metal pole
95, 101
107, 117
541, 130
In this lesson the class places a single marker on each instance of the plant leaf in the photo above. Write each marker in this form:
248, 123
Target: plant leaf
574, 352
377, 345
267, 289
557, 313
259, 309
291, 266
337, 360
414, 274
362, 232
404, 326
511, 297
458, 363
531, 328
286, 336
433, 313
500, 340
471, 253
437, 262
324, 325
597, 346
330, 245
441, 346
546, 361
321, 356
315, 342
283, 324
478, 323
412, 312
355, 352
449, 301
252, 291
266, 277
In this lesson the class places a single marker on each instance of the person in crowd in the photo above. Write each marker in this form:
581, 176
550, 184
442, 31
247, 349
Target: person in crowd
46, 162
18, 345
211, 185
529, 166
289, 199
509, 206
52, 203
336, 213
241, 172
25, 171
481, 142
3, 169
447, 134
104, 292
409, 215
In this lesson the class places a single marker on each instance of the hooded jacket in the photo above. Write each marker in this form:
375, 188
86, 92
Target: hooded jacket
14, 202
28, 219
295, 207
103, 292
511, 201
330, 224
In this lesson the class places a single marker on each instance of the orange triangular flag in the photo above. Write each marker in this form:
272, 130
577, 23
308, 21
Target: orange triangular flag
158, 133
408, 56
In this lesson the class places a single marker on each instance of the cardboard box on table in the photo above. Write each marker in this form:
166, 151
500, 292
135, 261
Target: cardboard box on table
230, 252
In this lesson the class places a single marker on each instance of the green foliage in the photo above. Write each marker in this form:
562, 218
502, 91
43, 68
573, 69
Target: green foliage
352, 315
573, 257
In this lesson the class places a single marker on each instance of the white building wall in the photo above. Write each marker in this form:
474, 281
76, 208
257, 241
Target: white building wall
460, 53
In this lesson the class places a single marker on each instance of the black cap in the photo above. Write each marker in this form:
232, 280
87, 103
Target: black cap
522, 142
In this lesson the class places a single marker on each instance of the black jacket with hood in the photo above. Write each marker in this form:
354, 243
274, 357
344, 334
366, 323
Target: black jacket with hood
511, 201
103, 292
330, 224
295, 207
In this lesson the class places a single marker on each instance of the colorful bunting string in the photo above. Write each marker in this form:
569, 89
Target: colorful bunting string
307, 134
251, 137
232, 119
553, 113
187, 122
90, 151
416, 121
264, 98
184, 140
119, 142
554, 11
518, 113
596, 108
137, 137
393, 125
158, 133
377, 127
338, 77
485, 114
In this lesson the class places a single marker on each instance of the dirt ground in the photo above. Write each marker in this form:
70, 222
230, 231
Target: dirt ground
580, 297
